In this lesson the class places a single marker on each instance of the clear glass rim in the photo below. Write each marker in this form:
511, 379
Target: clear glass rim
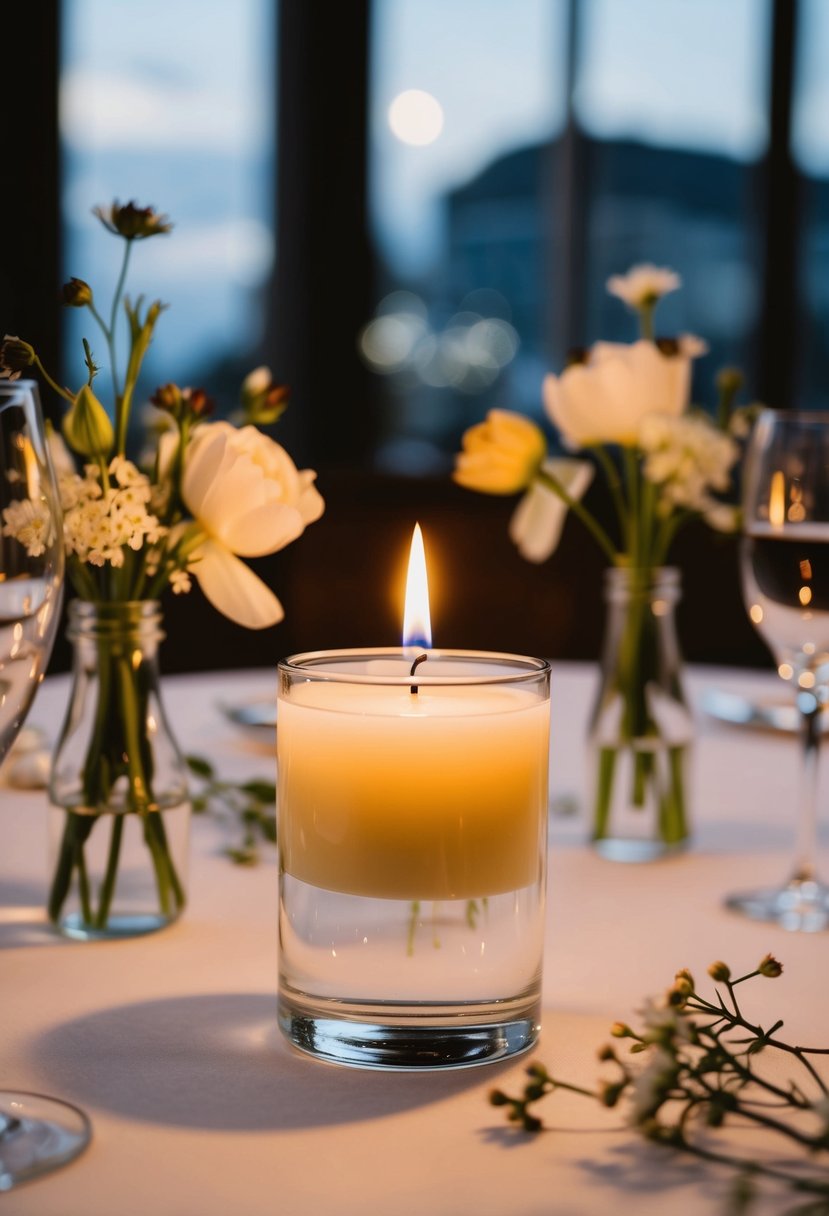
310, 665
8, 388
801, 417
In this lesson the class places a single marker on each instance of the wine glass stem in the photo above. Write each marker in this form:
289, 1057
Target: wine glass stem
811, 709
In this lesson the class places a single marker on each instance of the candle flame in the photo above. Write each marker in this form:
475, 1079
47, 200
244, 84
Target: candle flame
417, 626
777, 500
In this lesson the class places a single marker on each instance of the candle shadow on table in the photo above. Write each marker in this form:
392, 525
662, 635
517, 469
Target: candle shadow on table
217, 1061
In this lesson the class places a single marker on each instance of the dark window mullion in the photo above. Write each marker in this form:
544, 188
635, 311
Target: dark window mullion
30, 195
777, 333
322, 289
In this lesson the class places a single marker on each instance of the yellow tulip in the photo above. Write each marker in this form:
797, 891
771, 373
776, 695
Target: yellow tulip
500, 455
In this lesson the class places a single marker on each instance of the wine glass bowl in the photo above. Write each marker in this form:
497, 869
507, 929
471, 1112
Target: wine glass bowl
785, 578
37, 1133
31, 555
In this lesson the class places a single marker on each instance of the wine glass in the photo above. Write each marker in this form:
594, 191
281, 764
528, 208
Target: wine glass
785, 577
37, 1133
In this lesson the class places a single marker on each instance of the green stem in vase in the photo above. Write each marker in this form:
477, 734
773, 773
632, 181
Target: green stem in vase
76, 829
117, 771
111, 873
83, 880
672, 816
140, 775
604, 792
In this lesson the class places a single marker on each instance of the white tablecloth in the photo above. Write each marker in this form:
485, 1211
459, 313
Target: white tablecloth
199, 1107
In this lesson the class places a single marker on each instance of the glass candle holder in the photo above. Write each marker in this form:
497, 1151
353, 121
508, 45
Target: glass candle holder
412, 814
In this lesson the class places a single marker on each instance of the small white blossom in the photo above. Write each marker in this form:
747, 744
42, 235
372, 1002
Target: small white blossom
180, 582
722, 517
652, 1086
99, 524
688, 458
30, 523
126, 474
643, 285
660, 1017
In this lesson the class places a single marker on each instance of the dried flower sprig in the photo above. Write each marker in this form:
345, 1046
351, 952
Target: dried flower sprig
700, 1074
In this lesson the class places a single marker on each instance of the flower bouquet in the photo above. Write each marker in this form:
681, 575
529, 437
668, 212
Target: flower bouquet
627, 406
203, 495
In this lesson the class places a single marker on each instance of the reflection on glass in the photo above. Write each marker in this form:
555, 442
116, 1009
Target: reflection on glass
172, 105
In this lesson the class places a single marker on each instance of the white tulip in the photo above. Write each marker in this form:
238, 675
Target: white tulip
605, 399
248, 497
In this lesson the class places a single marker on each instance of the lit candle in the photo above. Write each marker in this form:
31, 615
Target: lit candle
408, 786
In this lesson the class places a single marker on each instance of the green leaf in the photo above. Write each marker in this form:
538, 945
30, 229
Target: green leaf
245, 856
200, 767
262, 791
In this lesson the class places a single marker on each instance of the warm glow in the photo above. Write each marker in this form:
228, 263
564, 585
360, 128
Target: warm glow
756, 613
805, 595
416, 117
417, 626
777, 500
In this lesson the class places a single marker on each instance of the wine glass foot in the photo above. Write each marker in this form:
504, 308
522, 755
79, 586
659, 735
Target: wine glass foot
37, 1134
800, 906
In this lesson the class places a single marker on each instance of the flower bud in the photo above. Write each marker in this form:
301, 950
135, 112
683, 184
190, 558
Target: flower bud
729, 381
167, 397
720, 972
685, 974
621, 1030
76, 294
678, 995
132, 222
197, 403
15, 357
769, 967
610, 1093
606, 1053
86, 427
263, 400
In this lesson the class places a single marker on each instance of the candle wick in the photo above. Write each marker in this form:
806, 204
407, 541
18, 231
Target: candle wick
421, 658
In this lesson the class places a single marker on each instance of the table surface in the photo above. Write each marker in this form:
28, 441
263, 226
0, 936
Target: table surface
199, 1107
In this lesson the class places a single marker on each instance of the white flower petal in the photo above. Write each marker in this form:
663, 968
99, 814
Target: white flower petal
263, 530
538, 520
234, 589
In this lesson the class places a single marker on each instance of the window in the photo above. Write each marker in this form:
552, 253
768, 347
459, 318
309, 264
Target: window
463, 96
810, 149
523, 153
172, 105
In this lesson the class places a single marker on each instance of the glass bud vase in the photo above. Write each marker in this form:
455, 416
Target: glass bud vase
641, 728
120, 812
